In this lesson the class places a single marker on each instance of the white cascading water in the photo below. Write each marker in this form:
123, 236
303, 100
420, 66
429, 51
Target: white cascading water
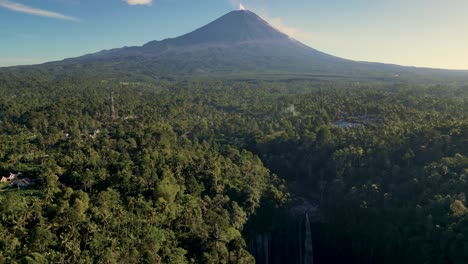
309, 251
260, 248
299, 233
266, 248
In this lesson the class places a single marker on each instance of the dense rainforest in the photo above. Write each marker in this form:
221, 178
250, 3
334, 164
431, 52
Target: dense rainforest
192, 171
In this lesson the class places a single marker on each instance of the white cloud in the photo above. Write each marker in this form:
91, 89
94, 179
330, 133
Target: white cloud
278, 23
34, 11
139, 2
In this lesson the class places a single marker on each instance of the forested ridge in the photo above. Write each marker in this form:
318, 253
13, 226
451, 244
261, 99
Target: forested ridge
189, 171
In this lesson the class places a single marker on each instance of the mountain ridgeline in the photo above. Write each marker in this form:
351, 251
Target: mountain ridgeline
239, 43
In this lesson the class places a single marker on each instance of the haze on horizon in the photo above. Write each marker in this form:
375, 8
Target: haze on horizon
425, 33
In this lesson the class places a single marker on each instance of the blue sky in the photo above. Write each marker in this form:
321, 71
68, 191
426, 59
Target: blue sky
429, 33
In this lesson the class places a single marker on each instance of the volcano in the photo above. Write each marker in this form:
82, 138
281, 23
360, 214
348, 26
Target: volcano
238, 43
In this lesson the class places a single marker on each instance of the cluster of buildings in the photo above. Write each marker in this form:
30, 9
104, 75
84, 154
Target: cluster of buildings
18, 180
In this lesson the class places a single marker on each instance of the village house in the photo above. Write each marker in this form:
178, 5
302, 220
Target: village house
18, 180
12, 177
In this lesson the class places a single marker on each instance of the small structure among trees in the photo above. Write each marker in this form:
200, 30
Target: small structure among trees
18, 180
12, 177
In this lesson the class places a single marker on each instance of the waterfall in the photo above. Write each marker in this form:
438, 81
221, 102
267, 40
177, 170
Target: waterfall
290, 244
308, 249
260, 251
266, 247
299, 242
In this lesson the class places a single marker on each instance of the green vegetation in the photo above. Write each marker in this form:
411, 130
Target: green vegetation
189, 171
